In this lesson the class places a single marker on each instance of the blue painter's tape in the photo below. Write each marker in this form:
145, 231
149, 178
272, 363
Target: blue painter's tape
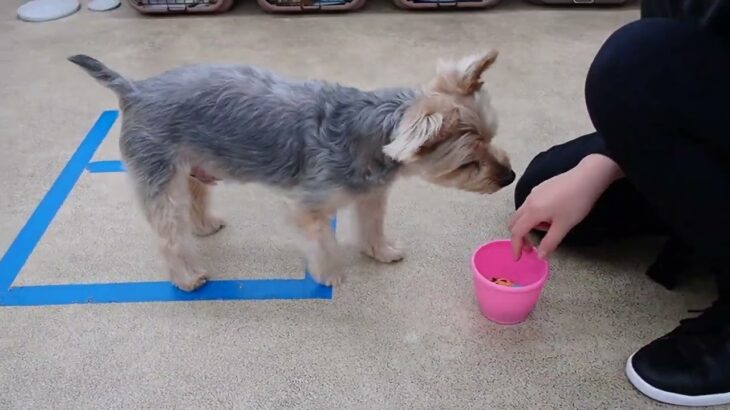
253, 289
23, 245
105, 166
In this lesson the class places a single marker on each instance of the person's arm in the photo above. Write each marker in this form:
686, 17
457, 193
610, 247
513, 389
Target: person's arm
602, 167
560, 203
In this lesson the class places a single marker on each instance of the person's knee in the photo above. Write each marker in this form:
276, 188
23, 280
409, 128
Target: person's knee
626, 77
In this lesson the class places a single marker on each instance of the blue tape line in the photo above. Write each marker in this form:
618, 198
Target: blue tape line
253, 289
105, 166
28, 237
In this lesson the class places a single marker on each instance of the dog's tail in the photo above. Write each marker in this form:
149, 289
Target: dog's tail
104, 74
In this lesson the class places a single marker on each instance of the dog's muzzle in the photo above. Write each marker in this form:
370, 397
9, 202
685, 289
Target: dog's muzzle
506, 178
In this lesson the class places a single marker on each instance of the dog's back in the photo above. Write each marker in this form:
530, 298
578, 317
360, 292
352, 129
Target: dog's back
249, 124
245, 122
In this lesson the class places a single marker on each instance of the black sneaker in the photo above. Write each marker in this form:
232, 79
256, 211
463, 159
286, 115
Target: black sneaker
689, 366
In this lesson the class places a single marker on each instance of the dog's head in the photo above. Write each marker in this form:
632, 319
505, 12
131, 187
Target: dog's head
446, 134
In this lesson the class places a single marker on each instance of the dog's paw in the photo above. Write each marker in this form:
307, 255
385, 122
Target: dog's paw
190, 282
327, 274
324, 264
208, 226
332, 279
385, 253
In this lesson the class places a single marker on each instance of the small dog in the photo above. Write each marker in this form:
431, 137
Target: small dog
323, 145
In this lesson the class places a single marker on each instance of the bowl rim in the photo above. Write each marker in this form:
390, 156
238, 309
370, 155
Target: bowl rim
478, 276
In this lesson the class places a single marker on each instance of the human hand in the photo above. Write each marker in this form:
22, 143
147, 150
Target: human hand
560, 203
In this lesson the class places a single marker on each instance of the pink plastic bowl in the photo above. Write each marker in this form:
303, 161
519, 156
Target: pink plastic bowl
504, 304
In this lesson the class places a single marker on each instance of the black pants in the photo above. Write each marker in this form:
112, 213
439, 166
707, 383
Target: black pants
658, 93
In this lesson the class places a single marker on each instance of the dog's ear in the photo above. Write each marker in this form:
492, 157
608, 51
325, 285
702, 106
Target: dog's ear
414, 134
463, 76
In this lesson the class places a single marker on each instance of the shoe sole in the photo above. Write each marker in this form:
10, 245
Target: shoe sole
673, 398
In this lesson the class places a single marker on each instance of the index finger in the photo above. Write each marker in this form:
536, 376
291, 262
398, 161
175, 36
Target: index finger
520, 228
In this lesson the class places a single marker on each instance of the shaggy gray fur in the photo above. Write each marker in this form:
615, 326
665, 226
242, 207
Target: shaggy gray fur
248, 124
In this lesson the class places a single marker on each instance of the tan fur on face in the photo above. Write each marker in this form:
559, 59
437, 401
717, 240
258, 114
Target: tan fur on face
446, 135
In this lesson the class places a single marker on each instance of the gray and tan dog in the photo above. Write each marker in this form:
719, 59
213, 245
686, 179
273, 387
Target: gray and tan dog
322, 145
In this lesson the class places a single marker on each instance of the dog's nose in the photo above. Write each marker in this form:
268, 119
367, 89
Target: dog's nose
507, 178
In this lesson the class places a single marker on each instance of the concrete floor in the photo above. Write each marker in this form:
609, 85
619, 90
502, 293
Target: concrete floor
393, 337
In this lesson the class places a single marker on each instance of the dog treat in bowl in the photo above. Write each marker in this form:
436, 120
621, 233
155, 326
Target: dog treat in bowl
504, 282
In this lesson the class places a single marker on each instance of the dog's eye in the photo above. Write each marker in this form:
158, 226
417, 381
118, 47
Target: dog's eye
469, 165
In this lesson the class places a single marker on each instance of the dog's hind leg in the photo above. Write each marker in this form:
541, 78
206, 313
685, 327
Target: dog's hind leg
169, 214
166, 201
161, 184
370, 214
320, 245
204, 224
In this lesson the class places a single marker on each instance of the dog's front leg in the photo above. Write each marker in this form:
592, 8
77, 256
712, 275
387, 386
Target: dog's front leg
370, 210
320, 245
